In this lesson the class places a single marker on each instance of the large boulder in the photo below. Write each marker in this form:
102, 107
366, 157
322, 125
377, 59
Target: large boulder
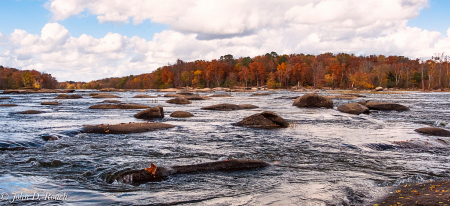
50, 103
181, 114
119, 106
265, 120
8, 105
125, 128
104, 96
353, 108
229, 107
383, 106
433, 131
65, 96
143, 96
179, 100
313, 100
150, 113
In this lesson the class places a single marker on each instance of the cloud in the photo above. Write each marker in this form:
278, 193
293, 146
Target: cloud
205, 29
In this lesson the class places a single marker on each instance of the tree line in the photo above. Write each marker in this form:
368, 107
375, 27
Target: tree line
11, 78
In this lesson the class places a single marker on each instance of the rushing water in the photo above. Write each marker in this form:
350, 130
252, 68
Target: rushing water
324, 158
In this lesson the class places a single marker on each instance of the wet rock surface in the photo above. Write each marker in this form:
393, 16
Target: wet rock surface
229, 107
265, 120
125, 128
313, 100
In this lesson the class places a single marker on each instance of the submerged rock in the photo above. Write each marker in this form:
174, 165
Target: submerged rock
229, 107
383, 106
50, 103
30, 112
119, 106
144, 175
313, 100
433, 131
50, 137
65, 96
353, 108
265, 120
104, 96
181, 114
151, 113
179, 100
125, 128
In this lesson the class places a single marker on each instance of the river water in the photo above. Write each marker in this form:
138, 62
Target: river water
325, 157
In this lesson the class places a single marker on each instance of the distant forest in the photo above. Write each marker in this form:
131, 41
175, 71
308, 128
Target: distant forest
11, 78
274, 71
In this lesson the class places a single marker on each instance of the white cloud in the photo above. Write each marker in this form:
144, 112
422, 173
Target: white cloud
206, 29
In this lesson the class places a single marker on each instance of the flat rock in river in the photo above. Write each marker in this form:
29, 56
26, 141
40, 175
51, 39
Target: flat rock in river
8, 105
179, 100
119, 106
65, 96
125, 128
30, 112
433, 131
104, 96
50, 103
181, 114
143, 96
384, 106
229, 107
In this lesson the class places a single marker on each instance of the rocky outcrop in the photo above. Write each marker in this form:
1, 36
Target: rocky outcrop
229, 107
313, 100
119, 106
8, 105
104, 96
125, 128
220, 95
433, 131
30, 112
50, 103
160, 173
143, 96
179, 100
383, 106
65, 96
354, 108
181, 114
265, 120
151, 113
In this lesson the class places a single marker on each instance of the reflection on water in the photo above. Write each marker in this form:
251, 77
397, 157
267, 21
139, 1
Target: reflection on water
324, 158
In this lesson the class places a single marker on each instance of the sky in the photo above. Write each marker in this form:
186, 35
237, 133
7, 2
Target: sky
84, 40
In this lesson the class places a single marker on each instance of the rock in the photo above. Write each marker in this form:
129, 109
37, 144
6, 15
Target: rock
260, 94
30, 112
150, 113
379, 89
54, 163
181, 114
168, 90
8, 105
143, 175
265, 120
220, 95
14, 91
229, 107
353, 108
103, 96
50, 137
125, 128
65, 96
50, 103
433, 131
93, 94
108, 90
143, 96
196, 97
286, 97
313, 100
111, 101
173, 95
428, 193
383, 106
179, 100
4, 98
119, 106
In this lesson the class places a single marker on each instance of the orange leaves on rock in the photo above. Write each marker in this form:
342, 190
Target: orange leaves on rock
151, 169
